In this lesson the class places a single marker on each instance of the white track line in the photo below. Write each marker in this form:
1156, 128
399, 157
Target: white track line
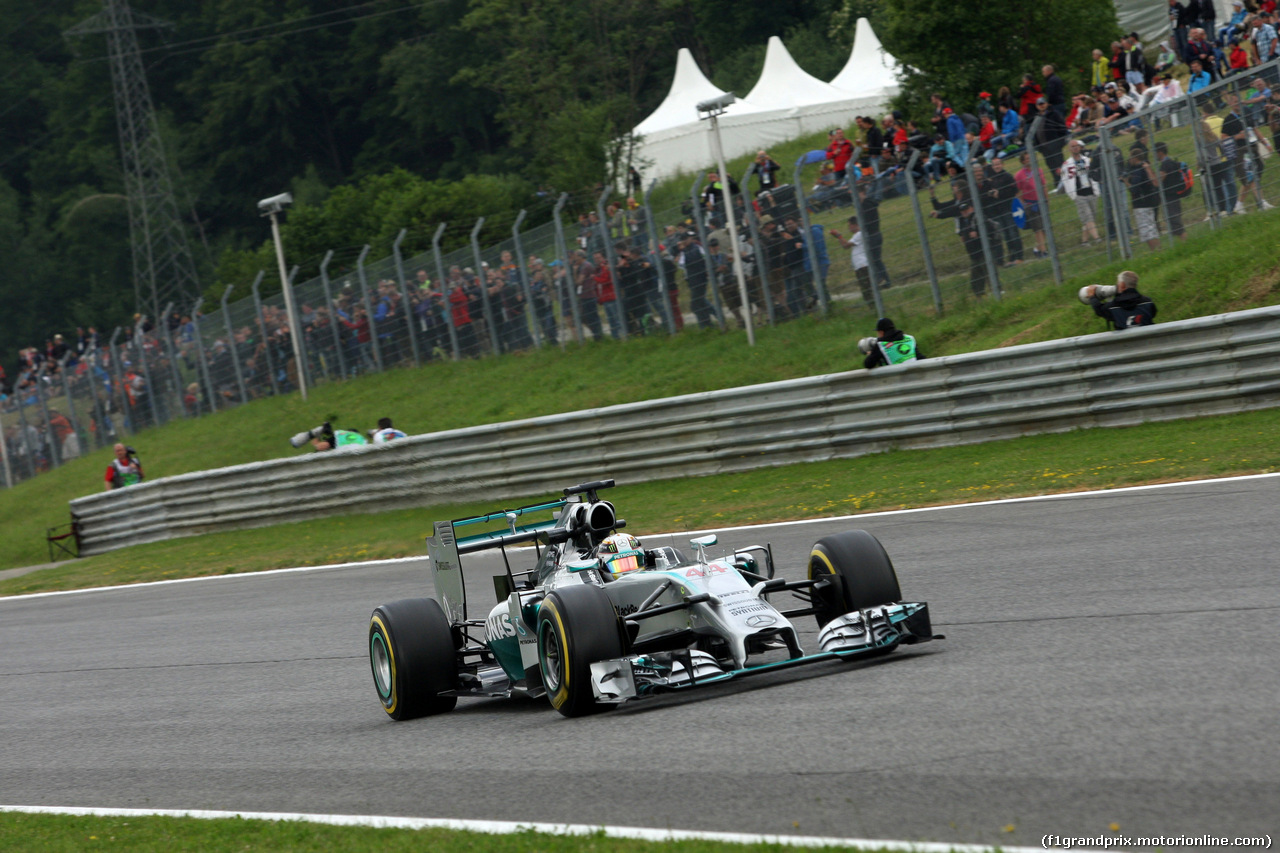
503, 827
798, 522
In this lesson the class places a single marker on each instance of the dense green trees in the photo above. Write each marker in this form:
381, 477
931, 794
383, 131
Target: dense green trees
386, 114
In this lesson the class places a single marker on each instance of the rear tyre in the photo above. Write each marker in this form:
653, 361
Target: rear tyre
412, 655
577, 626
864, 573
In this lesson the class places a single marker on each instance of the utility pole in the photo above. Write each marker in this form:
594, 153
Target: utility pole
163, 268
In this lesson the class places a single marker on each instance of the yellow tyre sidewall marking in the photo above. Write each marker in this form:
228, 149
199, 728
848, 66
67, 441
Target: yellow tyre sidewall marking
826, 561
391, 655
562, 693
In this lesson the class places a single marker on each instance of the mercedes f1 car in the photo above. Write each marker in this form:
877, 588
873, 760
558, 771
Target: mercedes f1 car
599, 620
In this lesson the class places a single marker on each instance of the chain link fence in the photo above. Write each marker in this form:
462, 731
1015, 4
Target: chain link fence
929, 237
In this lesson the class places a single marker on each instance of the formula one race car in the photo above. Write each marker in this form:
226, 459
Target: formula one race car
600, 620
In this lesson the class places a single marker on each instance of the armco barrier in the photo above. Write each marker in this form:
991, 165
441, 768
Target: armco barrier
1209, 365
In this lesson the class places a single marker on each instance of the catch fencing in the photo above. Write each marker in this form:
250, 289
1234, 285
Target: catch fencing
1208, 365
671, 269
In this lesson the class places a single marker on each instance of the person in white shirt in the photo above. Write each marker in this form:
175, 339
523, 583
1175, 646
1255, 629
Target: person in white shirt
1081, 190
858, 257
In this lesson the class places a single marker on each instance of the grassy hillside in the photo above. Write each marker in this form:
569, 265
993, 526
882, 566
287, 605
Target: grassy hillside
1211, 273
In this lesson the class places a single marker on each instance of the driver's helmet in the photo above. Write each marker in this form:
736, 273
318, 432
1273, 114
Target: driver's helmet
620, 553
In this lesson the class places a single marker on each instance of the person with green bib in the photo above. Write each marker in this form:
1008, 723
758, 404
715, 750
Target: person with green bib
125, 469
892, 346
325, 437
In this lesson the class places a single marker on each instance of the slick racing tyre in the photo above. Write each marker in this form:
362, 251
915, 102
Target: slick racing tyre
577, 626
412, 655
864, 571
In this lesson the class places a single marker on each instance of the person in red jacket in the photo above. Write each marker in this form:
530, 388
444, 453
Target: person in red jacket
1028, 93
460, 313
607, 295
839, 152
125, 469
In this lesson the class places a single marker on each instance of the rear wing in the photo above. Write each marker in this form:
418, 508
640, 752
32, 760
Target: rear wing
445, 547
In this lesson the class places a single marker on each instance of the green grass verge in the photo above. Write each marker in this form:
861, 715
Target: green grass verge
1209, 274
1044, 464
56, 833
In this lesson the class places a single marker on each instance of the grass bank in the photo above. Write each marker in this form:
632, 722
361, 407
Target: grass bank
1034, 465
1209, 274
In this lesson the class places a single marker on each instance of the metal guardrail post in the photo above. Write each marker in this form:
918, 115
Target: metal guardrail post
713, 282
71, 402
368, 308
1119, 209
55, 452
334, 320
404, 294
231, 344
530, 310
819, 281
575, 308
923, 233
620, 302
446, 311
266, 338
117, 363
873, 274
980, 216
655, 249
139, 345
764, 266
484, 287
1042, 199
1206, 173
171, 354
204, 362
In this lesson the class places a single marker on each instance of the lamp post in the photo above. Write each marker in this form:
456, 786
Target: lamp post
272, 207
712, 110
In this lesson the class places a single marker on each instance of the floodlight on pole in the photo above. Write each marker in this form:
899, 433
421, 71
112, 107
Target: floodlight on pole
273, 207
712, 109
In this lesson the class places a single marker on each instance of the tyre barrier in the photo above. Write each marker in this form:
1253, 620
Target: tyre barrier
1203, 366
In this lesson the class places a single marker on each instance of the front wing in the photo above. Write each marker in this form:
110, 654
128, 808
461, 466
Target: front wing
861, 632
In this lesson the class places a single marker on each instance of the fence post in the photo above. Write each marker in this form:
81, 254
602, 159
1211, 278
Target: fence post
334, 321
619, 300
409, 313
231, 344
530, 310
575, 308
713, 279
484, 287
300, 335
204, 362
446, 311
368, 308
764, 268
171, 354
99, 434
1206, 175
71, 402
266, 338
55, 452
819, 282
980, 215
139, 345
922, 232
1119, 210
873, 274
1042, 199
655, 248
4, 451
28, 452
116, 362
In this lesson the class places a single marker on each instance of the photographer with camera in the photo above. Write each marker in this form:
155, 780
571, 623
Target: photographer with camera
325, 437
890, 346
1127, 307
125, 469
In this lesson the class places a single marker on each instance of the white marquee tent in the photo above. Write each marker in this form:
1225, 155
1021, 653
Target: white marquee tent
785, 103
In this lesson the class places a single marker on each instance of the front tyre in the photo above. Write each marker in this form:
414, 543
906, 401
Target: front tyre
412, 655
863, 571
577, 626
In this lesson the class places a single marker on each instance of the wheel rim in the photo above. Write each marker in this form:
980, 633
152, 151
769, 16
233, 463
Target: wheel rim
381, 661
552, 657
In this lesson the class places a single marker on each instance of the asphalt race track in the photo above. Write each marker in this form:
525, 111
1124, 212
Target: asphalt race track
1111, 658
